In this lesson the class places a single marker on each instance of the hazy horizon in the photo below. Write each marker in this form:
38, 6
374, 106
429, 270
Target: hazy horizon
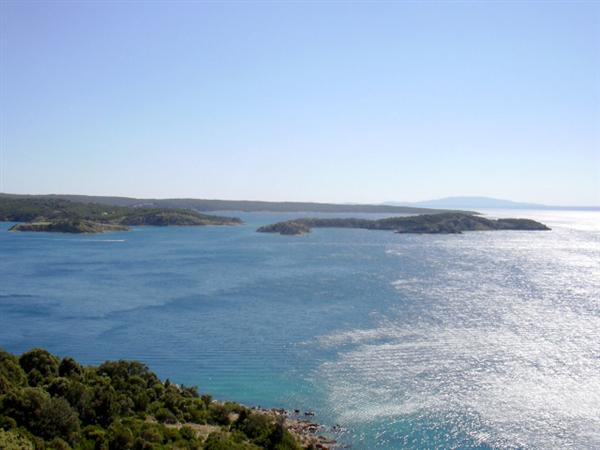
327, 102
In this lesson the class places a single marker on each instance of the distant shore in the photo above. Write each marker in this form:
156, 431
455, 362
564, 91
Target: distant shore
211, 205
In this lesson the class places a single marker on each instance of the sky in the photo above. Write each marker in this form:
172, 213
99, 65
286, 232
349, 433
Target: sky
307, 101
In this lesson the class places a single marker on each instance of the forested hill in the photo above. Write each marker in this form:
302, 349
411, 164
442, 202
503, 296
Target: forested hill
204, 205
54, 214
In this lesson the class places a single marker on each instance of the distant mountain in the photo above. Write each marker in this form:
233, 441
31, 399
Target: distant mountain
484, 203
203, 205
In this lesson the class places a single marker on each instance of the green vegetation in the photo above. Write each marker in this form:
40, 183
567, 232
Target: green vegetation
52, 403
53, 214
443, 223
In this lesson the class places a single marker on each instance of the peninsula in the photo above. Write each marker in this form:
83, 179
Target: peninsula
443, 223
65, 216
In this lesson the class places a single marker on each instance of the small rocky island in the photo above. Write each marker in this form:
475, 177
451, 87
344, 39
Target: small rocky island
444, 223
64, 216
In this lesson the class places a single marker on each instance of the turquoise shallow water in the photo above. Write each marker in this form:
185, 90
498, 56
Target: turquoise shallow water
481, 340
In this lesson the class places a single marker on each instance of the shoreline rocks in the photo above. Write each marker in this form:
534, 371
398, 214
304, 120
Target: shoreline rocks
307, 432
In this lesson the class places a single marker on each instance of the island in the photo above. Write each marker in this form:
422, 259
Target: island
65, 216
56, 403
442, 223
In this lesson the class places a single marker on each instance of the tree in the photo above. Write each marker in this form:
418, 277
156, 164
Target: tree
120, 437
14, 441
69, 368
11, 371
25, 406
58, 419
39, 365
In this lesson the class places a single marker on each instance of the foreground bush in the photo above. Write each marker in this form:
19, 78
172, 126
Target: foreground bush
52, 403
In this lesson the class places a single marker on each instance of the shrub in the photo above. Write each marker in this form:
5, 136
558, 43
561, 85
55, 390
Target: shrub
104, 404
120, 437
165, 416
13, 440
257, 427
58, 420
59, 387
69, 368
25, 406
97, 436
59, 444
225, 441
11, 371
40, 360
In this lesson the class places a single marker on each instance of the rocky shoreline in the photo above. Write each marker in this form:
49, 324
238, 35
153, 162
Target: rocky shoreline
310, 434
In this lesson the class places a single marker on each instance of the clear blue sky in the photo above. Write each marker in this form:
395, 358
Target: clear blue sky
321, 101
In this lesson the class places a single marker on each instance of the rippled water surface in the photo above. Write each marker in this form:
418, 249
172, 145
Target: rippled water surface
480, 340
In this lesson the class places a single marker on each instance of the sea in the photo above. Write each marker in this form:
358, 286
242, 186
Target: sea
480, 340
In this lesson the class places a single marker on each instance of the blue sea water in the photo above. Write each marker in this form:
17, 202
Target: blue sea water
479, 340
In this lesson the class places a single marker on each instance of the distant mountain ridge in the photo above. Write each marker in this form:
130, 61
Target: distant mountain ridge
205, 205
473, 202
